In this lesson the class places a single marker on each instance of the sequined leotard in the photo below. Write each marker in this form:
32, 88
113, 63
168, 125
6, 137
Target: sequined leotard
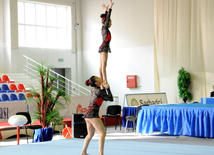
105, 47
97, 97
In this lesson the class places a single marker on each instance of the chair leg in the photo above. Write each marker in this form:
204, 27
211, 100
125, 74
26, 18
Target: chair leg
116, 124
126, 125
133, 125
129, 125
105, 123
103, 120
26, 133
120, 122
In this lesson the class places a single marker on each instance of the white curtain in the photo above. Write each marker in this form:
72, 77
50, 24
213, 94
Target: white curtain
1, 37
184, 37
5, 49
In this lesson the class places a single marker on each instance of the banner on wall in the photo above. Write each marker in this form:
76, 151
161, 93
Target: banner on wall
77, 104
146, 98
8, 109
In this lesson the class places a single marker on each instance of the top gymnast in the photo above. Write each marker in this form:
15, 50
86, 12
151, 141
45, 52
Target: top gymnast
100, 92
105, 48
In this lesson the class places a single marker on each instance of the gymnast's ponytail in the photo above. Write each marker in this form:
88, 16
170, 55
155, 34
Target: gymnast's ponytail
91, 81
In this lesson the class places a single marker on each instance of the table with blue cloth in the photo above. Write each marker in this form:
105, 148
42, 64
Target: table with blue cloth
128, 111
178, 119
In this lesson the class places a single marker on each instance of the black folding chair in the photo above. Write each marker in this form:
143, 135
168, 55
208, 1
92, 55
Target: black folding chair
28, 124
113, 111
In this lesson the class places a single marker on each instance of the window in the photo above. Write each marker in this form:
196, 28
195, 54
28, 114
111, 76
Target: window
44, 25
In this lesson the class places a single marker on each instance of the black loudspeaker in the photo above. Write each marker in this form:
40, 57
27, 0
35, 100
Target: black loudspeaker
79, 129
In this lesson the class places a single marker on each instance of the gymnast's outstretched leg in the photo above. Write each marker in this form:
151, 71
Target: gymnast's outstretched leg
103, 65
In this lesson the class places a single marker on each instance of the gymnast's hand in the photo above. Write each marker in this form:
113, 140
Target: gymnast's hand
105, 85
105, 7
111, 4
92, 90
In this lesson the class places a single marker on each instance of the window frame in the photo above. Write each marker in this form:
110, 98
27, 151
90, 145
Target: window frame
67, 30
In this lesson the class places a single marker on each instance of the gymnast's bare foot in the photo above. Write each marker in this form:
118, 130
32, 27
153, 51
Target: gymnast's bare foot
84, 154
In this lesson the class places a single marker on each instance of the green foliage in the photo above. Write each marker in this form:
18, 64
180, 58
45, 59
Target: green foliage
184, 81
48, 100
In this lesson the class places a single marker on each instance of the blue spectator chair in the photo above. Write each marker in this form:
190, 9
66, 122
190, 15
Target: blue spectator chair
1, 91
21, 97
4, 97
13, 97
5, 87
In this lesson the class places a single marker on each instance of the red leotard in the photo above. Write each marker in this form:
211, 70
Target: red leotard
97, 97
105, 47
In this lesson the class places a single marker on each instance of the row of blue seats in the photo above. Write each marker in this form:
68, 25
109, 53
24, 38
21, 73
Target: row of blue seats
5, 88
12, 97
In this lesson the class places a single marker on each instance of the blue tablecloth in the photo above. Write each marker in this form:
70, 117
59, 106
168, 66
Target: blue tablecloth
127, 111
179, 119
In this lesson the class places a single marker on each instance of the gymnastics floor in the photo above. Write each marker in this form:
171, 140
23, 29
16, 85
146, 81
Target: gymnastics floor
118, 144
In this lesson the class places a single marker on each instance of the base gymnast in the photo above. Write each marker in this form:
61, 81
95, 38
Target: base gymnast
105, 47
99, 93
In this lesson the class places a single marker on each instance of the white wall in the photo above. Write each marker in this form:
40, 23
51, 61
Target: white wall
132, 44
50, 56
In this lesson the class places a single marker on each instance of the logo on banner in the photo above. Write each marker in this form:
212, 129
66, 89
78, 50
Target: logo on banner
80, 109
142, 102
134, 102
4, 113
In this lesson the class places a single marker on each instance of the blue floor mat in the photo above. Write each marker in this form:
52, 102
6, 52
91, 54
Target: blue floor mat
73, 146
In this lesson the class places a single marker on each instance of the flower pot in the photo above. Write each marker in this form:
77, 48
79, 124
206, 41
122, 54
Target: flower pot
43, 134
185, 100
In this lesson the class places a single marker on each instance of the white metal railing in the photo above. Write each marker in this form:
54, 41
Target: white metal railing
71, 88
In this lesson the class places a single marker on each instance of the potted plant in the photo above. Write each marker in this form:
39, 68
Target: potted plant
183, 82
48, 99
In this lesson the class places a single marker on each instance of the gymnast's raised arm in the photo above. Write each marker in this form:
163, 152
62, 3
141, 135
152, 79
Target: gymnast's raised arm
106, 93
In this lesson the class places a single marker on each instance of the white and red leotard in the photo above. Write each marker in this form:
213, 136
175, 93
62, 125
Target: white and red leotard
97, 97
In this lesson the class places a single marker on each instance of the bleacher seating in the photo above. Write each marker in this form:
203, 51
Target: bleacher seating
6, 79
13, 87
9, 91
1, 80
13, 97
1, 91
28, 95
4, 97
21, 97
21, 87
4, 87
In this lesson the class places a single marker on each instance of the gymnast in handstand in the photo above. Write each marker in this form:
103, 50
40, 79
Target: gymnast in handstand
105, 47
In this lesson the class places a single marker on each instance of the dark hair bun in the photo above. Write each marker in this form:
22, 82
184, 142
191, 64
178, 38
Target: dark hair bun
87, 83
103, 16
